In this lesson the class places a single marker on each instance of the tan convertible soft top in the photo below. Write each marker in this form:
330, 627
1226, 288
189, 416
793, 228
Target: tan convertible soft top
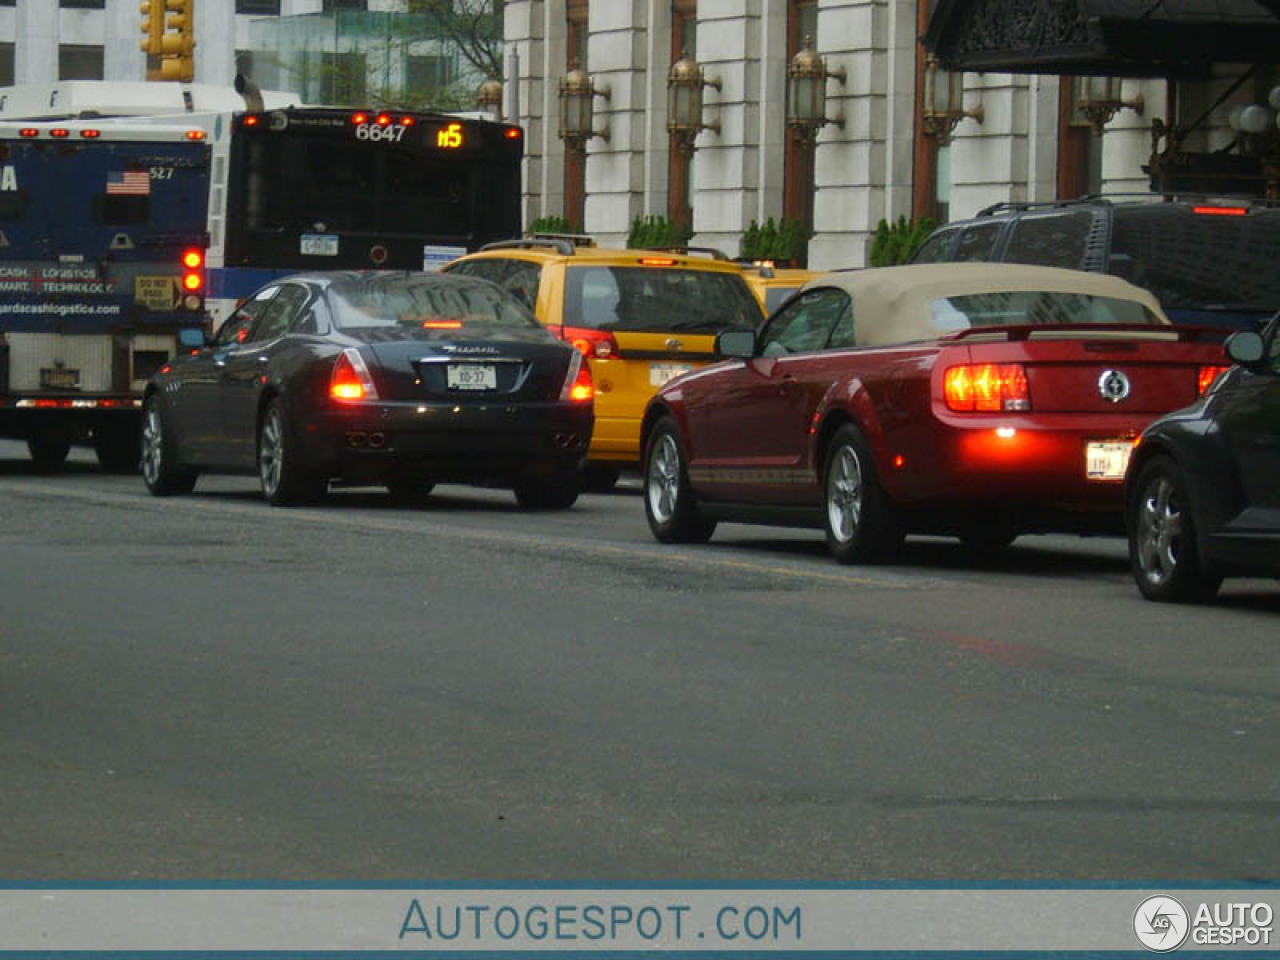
891, 304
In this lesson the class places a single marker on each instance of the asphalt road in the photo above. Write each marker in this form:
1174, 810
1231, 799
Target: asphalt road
206, 688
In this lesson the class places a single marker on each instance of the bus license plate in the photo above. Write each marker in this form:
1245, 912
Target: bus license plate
59, 378
660, 373
320, 244
472, 376
1107, 460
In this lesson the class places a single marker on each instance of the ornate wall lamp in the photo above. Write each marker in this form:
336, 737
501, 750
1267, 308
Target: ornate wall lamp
489, 98
1098, 98
685, 81
943, 106
807, 76
577, 97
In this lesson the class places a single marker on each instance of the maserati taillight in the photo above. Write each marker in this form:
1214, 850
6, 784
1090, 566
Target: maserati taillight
987, 387
578, 386
350, 379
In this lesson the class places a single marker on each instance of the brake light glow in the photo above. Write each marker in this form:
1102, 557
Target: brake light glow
578, 385
382, 119
60, 132
987, 387
591, 343
1207, 375
350, 379
1221, 211
512, 133
657, 262
441, 324
28, 132
251, 120
195, 134
90, 134
406, 121
359, 118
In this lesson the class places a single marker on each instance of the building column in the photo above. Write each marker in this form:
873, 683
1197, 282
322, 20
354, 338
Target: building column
35, 59
534, 33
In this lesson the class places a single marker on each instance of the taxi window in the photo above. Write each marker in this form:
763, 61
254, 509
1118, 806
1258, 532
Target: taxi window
658, 299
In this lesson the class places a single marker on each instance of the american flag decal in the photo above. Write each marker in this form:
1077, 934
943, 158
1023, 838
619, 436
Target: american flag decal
129, 181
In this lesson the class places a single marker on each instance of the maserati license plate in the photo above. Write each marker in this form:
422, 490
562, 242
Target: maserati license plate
472, 376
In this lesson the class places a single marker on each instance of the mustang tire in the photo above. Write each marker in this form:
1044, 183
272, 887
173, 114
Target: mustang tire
1163, 554
856, 512
161, 471
669, 503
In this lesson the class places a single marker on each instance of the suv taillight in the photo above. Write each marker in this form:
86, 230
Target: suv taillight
597, 344
986, 387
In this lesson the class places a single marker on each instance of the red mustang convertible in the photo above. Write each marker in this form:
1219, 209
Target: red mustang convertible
976, 400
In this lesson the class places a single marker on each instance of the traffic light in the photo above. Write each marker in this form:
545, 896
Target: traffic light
178, 41
152, 25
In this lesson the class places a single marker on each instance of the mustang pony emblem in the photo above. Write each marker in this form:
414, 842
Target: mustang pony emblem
1113, 385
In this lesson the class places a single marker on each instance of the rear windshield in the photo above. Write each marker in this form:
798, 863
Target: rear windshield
427, 302
1199, 261
656, 299
1034, 308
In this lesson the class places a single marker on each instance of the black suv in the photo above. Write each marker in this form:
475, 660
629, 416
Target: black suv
1210, 262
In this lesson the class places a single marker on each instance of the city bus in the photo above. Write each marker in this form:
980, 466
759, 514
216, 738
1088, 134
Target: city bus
294, 187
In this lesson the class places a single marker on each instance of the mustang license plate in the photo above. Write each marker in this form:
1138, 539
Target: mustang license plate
660, 373
472, 376
1107, 460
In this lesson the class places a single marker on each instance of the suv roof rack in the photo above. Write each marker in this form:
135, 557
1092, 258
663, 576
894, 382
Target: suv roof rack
712, 252
1096, 198
565, 244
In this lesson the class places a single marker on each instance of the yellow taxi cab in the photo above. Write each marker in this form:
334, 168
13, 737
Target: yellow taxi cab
772, 285
641, 317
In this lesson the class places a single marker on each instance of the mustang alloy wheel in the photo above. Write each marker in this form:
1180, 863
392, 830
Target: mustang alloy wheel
284, 482
159, 456
858, 517
669, 503
1163, 554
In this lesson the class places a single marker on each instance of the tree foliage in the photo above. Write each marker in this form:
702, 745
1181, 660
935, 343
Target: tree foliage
895, 244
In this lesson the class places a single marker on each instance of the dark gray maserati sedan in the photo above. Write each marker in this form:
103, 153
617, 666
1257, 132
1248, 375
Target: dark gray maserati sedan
396, 379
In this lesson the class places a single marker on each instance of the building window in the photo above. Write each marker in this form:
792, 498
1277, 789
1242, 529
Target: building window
8, 3
331, 5
797, 176
83, 4
1079, 146
79, 62
575, 158
6, 64
684, 43
428, 73
267, 7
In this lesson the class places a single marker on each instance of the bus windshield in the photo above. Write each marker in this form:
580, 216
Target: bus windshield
327, 188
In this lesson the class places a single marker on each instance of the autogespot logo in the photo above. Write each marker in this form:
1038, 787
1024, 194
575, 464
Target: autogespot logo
1161, 924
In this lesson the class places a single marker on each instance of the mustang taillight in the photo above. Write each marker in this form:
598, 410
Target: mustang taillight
350, 379
591, 343
986, 387
1207, 375
578, 386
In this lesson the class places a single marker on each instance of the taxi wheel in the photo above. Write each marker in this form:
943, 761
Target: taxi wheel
1163, 555
558, 492
669, 503
857, 514
159, 457
284, 482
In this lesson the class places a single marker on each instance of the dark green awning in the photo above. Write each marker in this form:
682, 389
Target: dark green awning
1120, 38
